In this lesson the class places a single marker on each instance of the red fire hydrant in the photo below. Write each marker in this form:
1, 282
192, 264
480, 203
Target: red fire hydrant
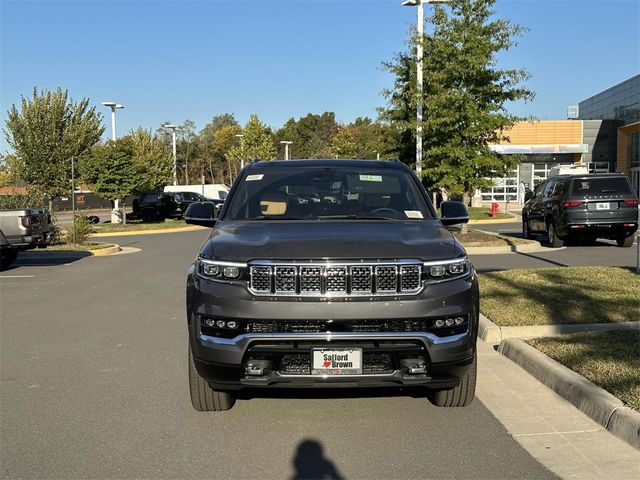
494, 209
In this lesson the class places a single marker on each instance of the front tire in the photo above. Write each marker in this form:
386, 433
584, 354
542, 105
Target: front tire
203, 397
552, 235
459, 396
526, 231
625, 241
7, 258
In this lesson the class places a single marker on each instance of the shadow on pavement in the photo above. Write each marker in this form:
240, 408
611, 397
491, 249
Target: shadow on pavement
310, 462
44, 258
333, 393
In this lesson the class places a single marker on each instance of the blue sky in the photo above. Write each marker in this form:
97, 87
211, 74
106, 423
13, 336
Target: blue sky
173, 60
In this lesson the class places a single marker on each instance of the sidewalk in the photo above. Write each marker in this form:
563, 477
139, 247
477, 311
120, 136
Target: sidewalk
551, 429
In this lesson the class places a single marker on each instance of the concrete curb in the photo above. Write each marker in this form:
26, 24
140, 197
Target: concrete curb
100, 252
524, 248
148, 232
594, 401
492, 333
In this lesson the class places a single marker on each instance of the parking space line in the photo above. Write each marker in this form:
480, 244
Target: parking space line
17, 276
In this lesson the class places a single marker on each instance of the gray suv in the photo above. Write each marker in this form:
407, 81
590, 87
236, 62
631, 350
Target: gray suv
582, 207
330, 273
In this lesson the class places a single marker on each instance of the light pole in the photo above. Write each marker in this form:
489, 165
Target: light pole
419, 80
115, 106
173, 129
286, 144
241, 137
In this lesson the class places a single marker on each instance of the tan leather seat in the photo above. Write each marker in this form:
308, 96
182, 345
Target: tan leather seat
273, 204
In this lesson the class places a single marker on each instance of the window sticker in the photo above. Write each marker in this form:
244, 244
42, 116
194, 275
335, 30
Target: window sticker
370, 178
254, 177
413, 214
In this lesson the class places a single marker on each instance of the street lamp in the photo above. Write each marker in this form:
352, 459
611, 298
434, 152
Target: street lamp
114, 106
241, 137
419, 82
173, 129
286, 144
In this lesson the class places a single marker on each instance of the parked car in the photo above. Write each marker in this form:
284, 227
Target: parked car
361, 286
582, 207
162, 205
22, 229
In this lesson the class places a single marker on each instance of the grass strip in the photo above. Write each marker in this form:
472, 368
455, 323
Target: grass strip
550, 296
481, 213
67, 247
611, 360
136, 225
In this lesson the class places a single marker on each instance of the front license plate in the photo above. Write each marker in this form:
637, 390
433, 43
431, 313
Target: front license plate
342, 361
602, 206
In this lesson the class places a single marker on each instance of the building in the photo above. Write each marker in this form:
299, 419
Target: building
619, 108
605, 137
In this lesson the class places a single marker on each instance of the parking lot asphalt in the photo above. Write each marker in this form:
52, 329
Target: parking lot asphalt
94, 384
603, 252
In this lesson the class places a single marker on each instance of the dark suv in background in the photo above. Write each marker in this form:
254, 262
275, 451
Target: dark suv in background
329, 273
162, 205
582, 207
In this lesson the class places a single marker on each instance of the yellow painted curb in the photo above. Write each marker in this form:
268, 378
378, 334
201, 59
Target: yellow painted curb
496, 220
115, 248
148, 232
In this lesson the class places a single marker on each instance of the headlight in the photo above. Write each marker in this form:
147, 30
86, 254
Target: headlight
220, 270
445, 269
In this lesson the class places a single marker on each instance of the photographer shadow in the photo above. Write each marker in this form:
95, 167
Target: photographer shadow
310, 462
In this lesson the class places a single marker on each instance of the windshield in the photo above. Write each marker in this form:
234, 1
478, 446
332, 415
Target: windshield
600, 186
318, 193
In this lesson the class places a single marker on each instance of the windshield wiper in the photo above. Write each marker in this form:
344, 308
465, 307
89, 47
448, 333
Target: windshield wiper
352, 217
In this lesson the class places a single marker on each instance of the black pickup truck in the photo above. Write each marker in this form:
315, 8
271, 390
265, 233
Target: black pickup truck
330, 273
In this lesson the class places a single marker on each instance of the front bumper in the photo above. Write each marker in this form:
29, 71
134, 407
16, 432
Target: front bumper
223, 361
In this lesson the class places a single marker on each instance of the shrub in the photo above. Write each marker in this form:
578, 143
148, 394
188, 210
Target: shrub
84, 228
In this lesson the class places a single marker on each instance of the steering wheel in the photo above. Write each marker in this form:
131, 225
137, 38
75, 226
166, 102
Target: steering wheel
383, 210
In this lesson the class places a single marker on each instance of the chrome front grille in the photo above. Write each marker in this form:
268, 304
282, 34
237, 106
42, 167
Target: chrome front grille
335, 279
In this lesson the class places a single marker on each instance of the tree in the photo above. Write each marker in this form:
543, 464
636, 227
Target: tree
311, 135
256, 143
465, 96
152, 161
110, 170
45, 133
215, 139
224, 140
343, 144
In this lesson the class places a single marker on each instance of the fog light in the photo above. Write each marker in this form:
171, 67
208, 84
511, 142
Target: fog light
437, 271
459, 320
210, 322
220, 323
439, 323
449, 322
232, 324
212, 270
456, 268
231, 272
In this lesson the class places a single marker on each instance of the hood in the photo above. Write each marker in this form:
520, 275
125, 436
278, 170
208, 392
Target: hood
324, 239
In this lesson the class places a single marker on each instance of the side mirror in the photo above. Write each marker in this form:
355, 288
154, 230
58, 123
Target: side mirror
528, 195
201, 213
453, 213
